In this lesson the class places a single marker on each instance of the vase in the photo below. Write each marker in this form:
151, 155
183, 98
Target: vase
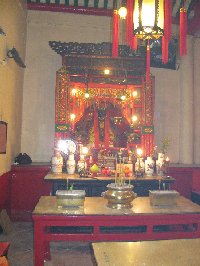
57, 164
149, 166
71, 164
139, 167
160, 164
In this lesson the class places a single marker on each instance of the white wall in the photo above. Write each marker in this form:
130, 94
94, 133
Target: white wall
40, 78
13, 22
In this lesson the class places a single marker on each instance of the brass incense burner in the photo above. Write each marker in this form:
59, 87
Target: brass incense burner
119, 194
119, 197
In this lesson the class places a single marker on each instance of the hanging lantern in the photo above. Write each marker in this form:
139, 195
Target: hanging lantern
148, 19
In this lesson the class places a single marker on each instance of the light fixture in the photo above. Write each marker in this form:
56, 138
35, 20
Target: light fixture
106, 71
74, 91
87, 95
134, 118
122, 12
123, 97
72, 117
13, 53
135, 93
146, 20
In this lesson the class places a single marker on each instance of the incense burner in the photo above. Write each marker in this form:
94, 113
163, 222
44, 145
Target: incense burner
163, 197
119, 196
70, 198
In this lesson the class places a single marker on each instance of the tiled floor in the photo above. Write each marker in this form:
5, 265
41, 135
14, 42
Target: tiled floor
62, 253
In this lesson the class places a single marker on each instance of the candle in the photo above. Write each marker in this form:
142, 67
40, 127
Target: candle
167, 159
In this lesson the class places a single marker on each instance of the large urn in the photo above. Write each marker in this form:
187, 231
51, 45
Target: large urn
119, 197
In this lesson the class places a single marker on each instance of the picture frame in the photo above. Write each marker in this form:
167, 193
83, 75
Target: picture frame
3, 137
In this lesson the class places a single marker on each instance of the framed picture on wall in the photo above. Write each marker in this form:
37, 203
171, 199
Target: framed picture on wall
3, 137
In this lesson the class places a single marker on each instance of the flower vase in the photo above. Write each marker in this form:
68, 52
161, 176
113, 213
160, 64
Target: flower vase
149, 166
71, 164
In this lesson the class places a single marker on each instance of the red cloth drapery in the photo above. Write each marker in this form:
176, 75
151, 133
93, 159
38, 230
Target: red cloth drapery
107, 130
96, 129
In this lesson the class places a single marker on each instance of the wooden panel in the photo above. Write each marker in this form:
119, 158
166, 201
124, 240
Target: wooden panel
27, 185
196, 179
5, 191
183, 180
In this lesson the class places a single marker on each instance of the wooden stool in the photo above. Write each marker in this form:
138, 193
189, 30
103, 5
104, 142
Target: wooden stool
4, 246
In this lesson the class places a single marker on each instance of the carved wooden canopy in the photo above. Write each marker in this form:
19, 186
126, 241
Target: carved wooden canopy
88, 60
82, 72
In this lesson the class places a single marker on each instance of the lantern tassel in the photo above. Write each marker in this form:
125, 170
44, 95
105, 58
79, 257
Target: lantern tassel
148, 64
168, 20
134, 43
129, 21
115, 34
167, 30
183, 31
164, 50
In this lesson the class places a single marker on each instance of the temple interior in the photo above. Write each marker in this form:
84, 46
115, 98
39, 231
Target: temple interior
99, 132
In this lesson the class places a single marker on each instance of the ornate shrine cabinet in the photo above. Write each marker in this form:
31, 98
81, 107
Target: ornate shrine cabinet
104, 111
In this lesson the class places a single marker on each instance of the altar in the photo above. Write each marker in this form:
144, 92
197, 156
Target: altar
96, 222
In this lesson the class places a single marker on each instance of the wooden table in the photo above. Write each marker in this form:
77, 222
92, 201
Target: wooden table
181, 252
97, 222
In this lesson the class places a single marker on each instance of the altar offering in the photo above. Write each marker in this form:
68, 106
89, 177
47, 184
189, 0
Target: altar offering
70, 198
163, 197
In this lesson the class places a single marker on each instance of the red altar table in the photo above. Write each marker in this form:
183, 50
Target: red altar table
96, 222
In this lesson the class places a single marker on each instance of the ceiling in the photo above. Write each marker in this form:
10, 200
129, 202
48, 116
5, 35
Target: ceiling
105, 8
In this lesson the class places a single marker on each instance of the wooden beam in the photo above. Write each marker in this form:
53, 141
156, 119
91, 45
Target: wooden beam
71, 9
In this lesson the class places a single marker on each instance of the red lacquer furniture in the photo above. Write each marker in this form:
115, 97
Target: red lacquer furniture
97, 222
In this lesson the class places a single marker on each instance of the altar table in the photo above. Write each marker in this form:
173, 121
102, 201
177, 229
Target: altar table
181, 252
96, 222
